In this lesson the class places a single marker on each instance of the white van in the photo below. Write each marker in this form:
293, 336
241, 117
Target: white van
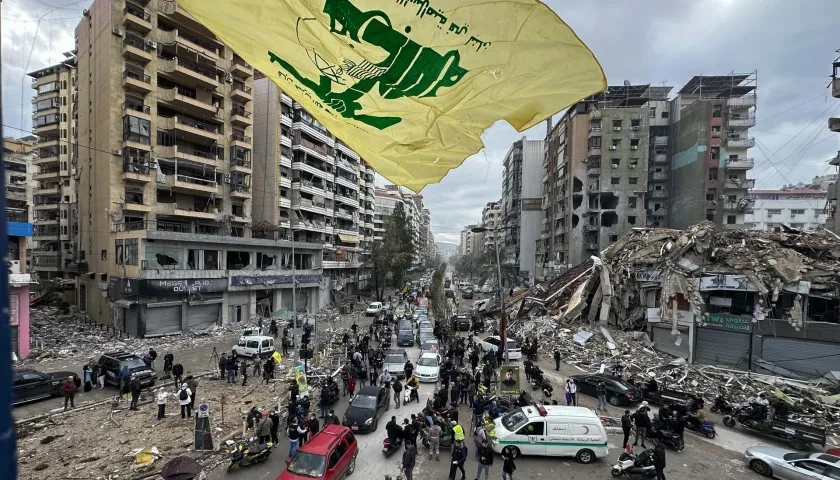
254, 346
553, 431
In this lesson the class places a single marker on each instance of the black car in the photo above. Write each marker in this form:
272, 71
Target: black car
30, 385
619, 392
467, 294
461, 323
363, 413
112, 364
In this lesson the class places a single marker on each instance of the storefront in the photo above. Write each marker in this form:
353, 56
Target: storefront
725, 340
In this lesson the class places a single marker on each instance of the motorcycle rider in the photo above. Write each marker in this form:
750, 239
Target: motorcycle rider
408, 368
385, 379
393, 429
760, 404
676, 423
696, 418
413, 384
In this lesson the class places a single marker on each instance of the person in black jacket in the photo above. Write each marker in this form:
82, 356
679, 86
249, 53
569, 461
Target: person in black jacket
659, 461
178, 372
459, 456
275, 425
642, 421
508, 467
557, 358
168, 360
626, 426
135, 393
676, 423
222, 365
393, 429
485, 460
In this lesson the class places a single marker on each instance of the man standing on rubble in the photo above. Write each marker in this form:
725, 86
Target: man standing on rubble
135, 393
192, 384
177, 373
184, 401
571, 392
557, 358
68, 389
243, 369
222, 365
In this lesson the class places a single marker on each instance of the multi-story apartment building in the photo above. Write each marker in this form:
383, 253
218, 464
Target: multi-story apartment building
833, 220
418, 218
314, 186
491, 220
465, 246
19, 157
54, 195
710, 121
164, 166
521, 204
601, 170
801, 209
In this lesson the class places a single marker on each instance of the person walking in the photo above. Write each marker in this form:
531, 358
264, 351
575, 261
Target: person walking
68, 389
295, 432
508, 467
243, 369
135, 389
351, 387
571, 392
162, 395
642, 421
100, 377
435, 433
125, 377
398, 388
192, 384
485, 460
87, 378
409, 459
223, 366
557, 358
626, 426
659, 461
601, 393
478, 437
230, 368
459, 457
184, 401
275, 425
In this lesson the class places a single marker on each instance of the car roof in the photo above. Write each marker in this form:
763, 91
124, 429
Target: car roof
256, 337
395, 351
429, 355
119, 355
323, 440
558, 410
370, 390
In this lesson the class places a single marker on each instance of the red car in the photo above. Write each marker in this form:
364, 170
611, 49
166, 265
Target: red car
329, 455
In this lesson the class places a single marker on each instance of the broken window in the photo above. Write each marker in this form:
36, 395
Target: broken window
616, 125
634, 180
634, 162
576, 201
634, 144
716, 111
631, 202
211, 260
615, 143
118, 251
631, 220
609, 201
822, 309
613, 238
710, 215
732, 198
710, 195
657, 206
192, 259
665, 114
575, 220
237, 260
731, 219
264, 260
713, 174
733, 303
608, 219
615, 180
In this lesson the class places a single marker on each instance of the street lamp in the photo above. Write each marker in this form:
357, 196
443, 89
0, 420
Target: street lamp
503, 321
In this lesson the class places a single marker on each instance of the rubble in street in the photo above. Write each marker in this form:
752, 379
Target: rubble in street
574, 307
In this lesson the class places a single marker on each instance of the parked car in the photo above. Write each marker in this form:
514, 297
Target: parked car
329, 455
113, 362
468, 294
428, 367
619, 392
254, 347
491, 344
29, 385
462, 323
394, 362
362, 415
789, 465
375, 308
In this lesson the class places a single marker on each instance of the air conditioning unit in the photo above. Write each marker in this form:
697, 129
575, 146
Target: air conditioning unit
116, 151
613, 147
227, 178
228, 77
634, 147
117, 31
635, 127
632, 166
14, 267
617, 129
153, 45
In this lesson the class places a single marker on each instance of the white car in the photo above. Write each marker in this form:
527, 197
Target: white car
777, 462
374, 309
428, 367
491, 344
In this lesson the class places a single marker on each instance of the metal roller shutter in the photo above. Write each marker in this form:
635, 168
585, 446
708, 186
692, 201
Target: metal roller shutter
722, 347
203, 316
164, 320
807, 358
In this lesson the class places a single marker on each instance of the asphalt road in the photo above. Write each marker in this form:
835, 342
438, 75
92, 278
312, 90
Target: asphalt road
701, 460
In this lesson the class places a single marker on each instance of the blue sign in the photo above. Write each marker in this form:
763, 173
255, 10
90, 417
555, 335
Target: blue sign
19, 229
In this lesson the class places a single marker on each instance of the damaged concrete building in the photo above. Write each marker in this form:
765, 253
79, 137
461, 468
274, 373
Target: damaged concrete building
767, 302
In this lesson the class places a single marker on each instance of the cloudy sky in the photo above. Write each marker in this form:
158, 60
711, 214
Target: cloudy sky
790, 44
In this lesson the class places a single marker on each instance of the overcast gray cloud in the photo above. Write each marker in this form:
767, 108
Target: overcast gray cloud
790, 44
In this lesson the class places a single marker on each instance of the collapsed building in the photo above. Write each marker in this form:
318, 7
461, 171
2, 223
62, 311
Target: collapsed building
751, 300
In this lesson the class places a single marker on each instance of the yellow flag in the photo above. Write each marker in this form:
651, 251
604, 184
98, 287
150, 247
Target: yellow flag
277, 357
411, 84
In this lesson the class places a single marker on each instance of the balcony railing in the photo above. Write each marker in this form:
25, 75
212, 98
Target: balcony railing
136, 106
242, 63
205, 182
197, 153
240, 110
238, 137
207, 127
137, 42
318, 148
133, 167
137, 12
194, 67
240, 188
240, 162
17, 215
197, 41
240, 86
137, 76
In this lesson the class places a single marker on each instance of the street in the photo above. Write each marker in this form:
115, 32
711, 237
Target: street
701, 459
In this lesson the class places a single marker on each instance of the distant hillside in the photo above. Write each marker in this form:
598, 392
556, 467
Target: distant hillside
446, 246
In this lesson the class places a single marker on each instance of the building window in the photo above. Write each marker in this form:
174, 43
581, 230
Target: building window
710, 215
615, 180
664, 114
616, 125
730, 219
104, 254
613, 238
635, 123
136, 130
653, 112
732, 198
716, 111
131, 251
616, 162
713, 174
631, 202
634, 180
797, 211
631, 220
118, 251
774, 211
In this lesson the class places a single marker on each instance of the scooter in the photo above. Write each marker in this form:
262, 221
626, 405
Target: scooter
703, 428
409, 395
248, 453
723, 405
634, 466
390, 446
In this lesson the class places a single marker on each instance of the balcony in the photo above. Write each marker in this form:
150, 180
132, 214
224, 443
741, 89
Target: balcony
136, 109
185, 152
191, 129
183, 99
51, 128
240, 68
594, 131
48, 189
48, 159
741, 122
348, 151
46, 234
174, 210
47, 174
240, 116
136, 18
659, 176
345, 182
285, 99
347, 200
834, 124
740, 142
137, 207
240, 140
318, 207
240, 91
740, 163
240, 191
745, 101
138, 171
17, 215
594, 150
657, 193
138, 82
193, 42
737, 184
137, 49
311, 188
835, 88
242, 165
183, 71
315, 131
189, 184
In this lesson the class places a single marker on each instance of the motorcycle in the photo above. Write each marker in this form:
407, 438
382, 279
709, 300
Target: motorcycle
248, 453
390, 446
445, 440
723, 405
537, 381
660, 433
634, 466
703, 428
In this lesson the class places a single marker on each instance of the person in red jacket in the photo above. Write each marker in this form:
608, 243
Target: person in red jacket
351, 386
68, 389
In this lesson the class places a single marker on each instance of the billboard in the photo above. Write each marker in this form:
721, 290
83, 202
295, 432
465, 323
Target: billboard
509, 384
531, 204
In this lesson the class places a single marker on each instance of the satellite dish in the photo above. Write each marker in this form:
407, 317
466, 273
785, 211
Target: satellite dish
627, 83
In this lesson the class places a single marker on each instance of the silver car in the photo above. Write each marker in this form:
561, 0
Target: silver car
789, 465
